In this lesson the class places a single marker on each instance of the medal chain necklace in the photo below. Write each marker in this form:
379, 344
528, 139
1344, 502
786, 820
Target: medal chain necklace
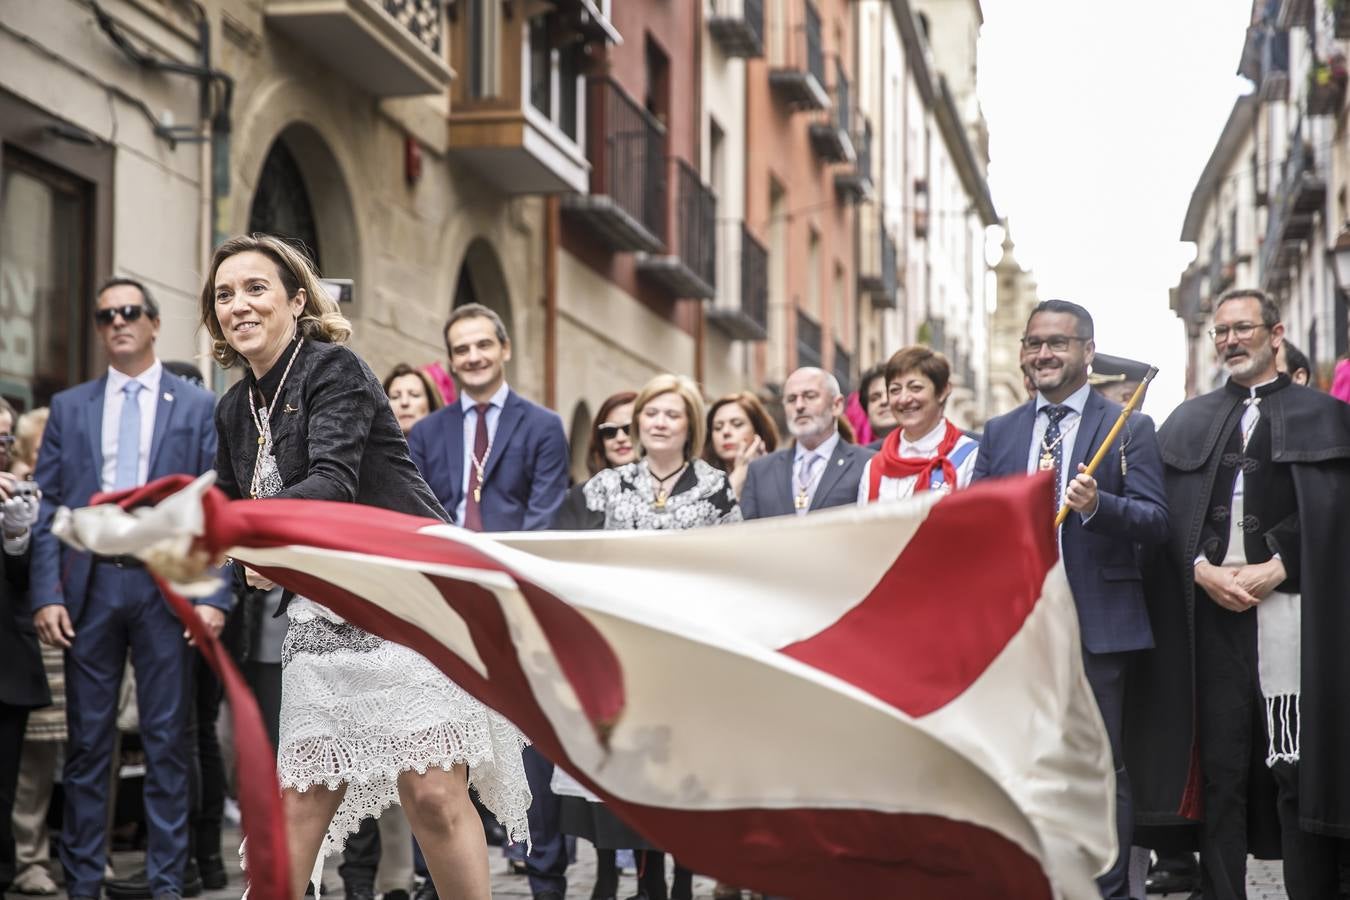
1047, 461
479, 468
264, 422
662, 495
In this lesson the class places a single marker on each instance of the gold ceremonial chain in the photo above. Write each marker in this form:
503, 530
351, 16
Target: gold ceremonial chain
661, 493
478, 467
1047, 461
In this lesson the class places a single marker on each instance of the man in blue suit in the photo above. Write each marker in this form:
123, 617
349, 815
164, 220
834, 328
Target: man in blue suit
133, 425
1121, 505
498, 462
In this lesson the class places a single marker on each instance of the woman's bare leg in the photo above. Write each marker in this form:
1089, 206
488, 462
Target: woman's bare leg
449, 831
308, 814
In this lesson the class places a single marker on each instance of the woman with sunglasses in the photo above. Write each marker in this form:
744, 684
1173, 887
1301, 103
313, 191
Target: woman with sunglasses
740, 431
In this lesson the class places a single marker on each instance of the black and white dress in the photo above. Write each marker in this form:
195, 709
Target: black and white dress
356, 709
625, 499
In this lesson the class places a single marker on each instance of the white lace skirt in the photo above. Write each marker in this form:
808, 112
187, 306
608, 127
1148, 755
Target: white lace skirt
358, 710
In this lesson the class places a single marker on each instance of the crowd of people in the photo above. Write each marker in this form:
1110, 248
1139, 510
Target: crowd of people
1202, 560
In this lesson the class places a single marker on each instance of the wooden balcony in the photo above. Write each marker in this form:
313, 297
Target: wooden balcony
690, 271
797, 56
738, 27
516, 110
741, 308
389, 48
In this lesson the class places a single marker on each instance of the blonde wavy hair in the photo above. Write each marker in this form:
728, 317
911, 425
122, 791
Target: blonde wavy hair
687, 391
319, 320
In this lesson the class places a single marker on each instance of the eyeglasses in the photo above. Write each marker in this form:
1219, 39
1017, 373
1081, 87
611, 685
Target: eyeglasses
609, 432
1242, 330
129, 313
6, 441
1057, 343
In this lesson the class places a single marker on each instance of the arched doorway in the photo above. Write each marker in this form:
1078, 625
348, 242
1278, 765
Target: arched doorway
301, 195
579, 441
481, 280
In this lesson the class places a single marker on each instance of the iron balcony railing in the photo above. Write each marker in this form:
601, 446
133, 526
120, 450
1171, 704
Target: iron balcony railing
797, 55
421, 18
738, 25
842, 100
696, 223
808, 341
627, 154
1302, 192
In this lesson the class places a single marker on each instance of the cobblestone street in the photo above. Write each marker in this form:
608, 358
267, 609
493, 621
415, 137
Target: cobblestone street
1264, 881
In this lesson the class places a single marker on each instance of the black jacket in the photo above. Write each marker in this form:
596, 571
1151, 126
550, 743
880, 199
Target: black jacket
333, 434
23, 682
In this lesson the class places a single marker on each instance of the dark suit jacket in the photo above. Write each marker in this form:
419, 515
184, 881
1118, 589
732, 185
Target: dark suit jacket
70, 469
526, 475
1099, 556
769, 490
22, 679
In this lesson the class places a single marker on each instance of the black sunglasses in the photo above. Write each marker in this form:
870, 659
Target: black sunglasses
610, 432
130, 313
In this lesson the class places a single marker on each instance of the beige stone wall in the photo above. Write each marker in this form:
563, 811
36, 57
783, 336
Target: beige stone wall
404, 245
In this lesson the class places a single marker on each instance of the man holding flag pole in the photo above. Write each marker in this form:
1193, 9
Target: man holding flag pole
1109, 506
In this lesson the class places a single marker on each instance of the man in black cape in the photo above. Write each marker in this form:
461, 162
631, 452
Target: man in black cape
1249, 735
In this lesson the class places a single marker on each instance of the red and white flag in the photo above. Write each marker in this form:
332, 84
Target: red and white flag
877, 702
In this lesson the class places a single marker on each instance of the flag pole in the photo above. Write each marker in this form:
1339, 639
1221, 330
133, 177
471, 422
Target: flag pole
1097, 458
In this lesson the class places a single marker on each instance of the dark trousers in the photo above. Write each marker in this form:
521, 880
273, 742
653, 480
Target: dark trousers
1231, 720
361, 857
125, 612
12, 722
1106, 675
208, 763
547, 860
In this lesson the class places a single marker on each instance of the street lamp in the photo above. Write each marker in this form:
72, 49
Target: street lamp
1340, 258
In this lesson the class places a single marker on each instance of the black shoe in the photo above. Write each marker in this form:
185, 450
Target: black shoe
212, 869
548, 895
399, 894
517, 867
426, 891
1163, 881
137, 885
358, 891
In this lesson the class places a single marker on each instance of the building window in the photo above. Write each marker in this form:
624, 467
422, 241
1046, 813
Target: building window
45, 229
483, 25
541, 67
569, 81
282, 206
813, 275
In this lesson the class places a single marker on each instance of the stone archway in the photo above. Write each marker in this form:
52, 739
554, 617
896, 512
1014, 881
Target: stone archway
579, 440
301, 194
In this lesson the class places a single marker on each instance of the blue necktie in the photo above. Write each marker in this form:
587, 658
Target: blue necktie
1054, 441
129, 439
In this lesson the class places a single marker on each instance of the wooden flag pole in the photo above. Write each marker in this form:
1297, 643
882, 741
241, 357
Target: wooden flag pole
1097, 458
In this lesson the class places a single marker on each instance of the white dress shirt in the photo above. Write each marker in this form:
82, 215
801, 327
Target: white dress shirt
113, 398
494, 413
825, 451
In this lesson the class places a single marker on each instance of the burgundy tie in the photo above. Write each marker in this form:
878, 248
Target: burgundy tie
473, 509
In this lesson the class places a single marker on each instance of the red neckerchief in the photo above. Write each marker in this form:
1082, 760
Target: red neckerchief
888, 463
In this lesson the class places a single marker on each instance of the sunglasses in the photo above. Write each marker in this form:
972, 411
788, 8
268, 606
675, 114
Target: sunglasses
610, 432
129, 313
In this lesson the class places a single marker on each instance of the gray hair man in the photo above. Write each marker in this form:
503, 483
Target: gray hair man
819, 469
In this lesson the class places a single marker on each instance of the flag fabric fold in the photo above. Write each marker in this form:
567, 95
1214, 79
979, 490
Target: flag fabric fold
883, 701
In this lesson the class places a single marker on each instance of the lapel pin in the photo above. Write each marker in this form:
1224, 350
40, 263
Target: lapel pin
168, 398
288, 408
839, 463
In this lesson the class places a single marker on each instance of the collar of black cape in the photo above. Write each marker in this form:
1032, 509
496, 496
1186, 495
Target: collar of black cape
1280, 383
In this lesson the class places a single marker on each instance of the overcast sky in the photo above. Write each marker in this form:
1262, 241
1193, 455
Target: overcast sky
1102, 116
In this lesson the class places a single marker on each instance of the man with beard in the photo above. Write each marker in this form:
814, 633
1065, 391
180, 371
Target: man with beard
1249, 606
820, 470
1122, 505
